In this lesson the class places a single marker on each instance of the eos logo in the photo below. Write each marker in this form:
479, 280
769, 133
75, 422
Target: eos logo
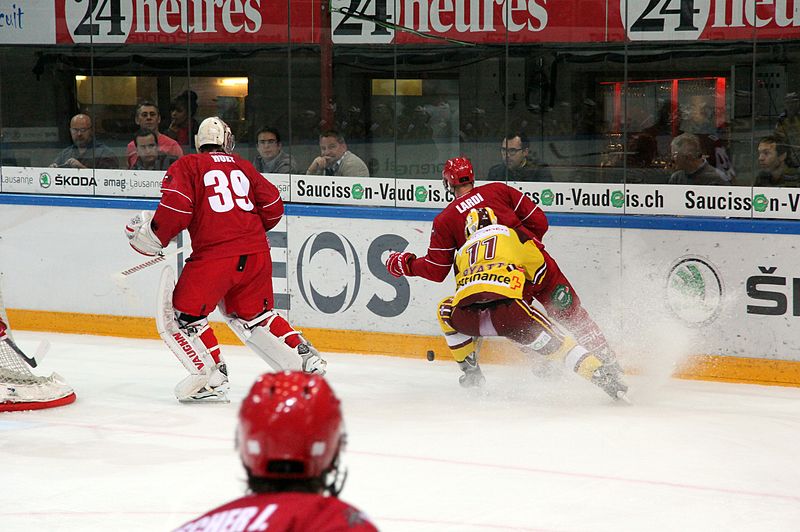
694, 291
664, 20
330, 242
329, 262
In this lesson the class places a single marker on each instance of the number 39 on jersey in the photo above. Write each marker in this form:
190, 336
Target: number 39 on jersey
362, 21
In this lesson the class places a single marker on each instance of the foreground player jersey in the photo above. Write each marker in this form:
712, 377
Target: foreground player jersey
494, 264
222, 200
512, 208
282, 512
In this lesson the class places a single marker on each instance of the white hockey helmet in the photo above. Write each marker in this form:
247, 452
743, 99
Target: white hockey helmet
214, 131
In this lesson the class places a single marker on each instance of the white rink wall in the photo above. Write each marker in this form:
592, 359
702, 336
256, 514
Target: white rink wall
701, 291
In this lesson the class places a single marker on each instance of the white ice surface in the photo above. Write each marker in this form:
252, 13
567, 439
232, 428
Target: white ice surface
423, 455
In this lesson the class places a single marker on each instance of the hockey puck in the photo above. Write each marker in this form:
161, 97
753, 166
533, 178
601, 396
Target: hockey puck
431, 355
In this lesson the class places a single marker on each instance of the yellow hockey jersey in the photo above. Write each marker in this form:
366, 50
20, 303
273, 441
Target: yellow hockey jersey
493, 264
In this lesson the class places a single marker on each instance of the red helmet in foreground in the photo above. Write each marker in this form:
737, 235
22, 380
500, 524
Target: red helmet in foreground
291, 427
458, 171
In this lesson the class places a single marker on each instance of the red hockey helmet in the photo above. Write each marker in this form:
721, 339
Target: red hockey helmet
290, 427
458, 171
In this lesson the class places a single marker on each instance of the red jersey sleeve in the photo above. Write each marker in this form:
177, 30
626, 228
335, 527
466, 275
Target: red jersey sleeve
530, 215
268, 200
436, 263
175, 210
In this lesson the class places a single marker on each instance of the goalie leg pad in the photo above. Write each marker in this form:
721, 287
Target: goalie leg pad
188, 348
258, 334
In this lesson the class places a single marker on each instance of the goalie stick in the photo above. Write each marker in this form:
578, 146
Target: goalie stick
33, 361
161, 257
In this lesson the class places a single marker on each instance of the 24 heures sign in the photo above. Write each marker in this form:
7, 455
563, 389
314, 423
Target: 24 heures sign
417, 21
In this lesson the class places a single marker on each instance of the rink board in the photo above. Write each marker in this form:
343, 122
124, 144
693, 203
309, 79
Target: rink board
726, 299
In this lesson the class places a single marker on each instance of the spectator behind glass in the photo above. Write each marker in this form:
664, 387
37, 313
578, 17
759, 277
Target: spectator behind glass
335, 159
183, 126
271, 158
148, 117
518, 162
149, 158
692, 167
85, 152
772, 154
788, 128
698, 118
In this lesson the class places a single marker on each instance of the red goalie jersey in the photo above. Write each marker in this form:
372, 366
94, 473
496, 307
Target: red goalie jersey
283, 512
512, 208
224, 202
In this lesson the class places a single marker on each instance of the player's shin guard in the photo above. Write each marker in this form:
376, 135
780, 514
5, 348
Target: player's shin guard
274, 340
589, 335
591, 368
461, 345
463, 348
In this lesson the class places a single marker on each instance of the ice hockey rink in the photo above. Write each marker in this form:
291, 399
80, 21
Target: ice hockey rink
423, 455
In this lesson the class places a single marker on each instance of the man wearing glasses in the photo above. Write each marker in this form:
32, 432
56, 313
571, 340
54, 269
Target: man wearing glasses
518, 163
84, 152
271, 158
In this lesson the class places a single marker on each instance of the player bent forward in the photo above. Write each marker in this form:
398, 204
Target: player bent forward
517, 211
227, 206
290, 437
494, 270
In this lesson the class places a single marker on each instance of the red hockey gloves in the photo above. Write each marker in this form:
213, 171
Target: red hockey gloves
399, 264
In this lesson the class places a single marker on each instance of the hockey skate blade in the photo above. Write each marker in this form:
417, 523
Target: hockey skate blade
623, 399
210, 398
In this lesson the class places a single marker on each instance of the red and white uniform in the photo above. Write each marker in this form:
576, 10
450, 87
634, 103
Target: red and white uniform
282, 512
512, 208
228, 207
517, 211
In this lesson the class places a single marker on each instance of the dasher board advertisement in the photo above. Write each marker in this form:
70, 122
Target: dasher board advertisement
730, 294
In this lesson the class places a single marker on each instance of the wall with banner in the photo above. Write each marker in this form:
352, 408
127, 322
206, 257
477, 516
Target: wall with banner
582, 198
385, 22
670, 283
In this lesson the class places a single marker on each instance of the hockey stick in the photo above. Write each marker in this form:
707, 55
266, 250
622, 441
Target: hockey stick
33, 361
160, 257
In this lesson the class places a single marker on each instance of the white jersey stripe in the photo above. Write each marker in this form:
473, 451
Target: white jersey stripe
174, 209
437, 264
529, 214
177, 192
